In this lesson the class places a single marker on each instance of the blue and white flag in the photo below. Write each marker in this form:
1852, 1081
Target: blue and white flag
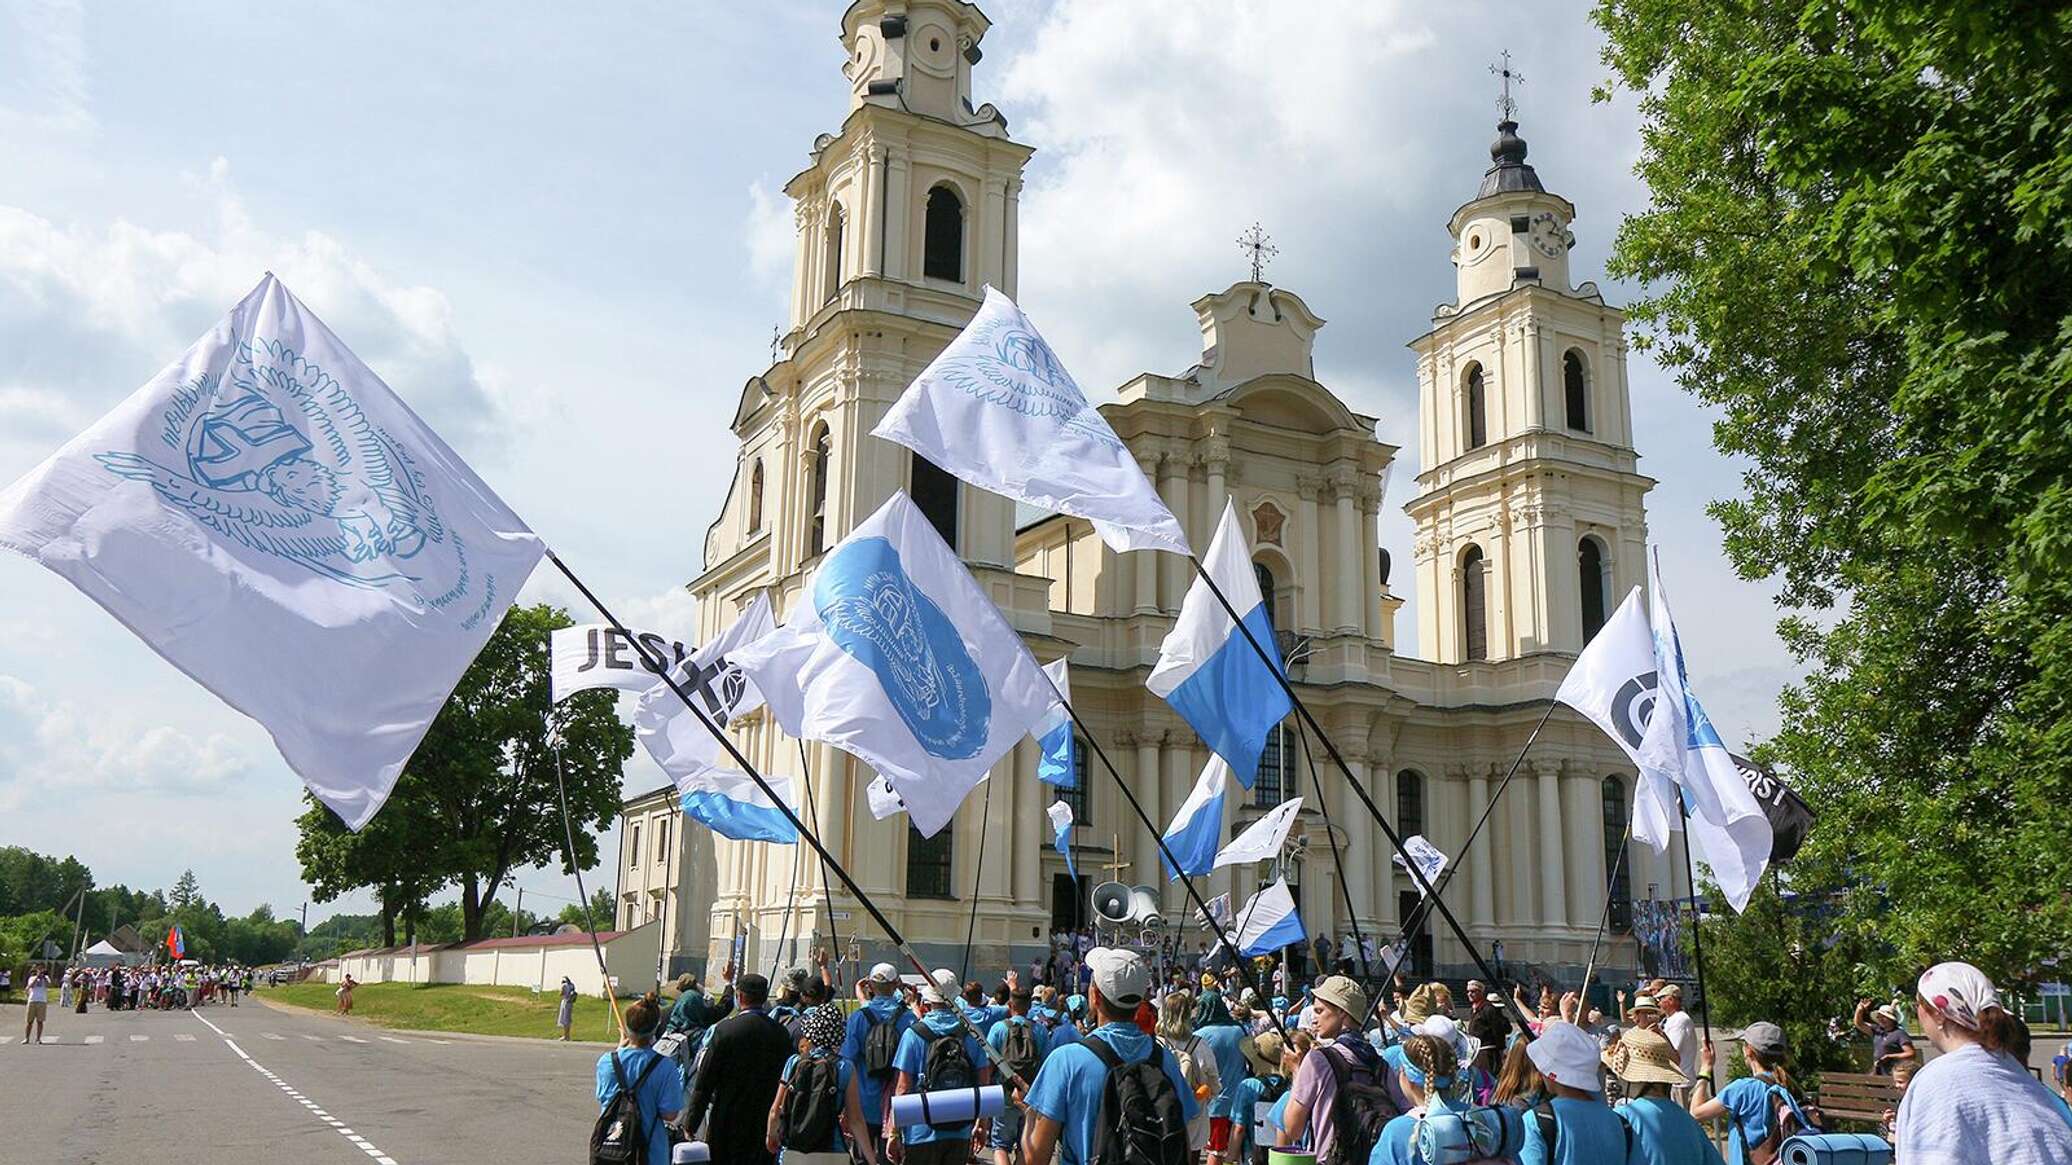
1613, 683
895, 655
998, 409
1208, 672
1263, 839
672, 734
1061, 834
1197, 829
1267, 921
1727, 826
732, 806
270, 518
1056, 759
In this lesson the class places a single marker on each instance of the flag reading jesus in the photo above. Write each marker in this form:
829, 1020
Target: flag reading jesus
272, 520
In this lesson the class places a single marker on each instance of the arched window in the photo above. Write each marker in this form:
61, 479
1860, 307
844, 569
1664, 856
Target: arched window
1474, 616
1264, 574
942, 254
1478, 409
1590, 576
934, 491
1618, 874
1409, 803
755, 497
928, 863
1275, 779
832, 260
1575, 387
817, 470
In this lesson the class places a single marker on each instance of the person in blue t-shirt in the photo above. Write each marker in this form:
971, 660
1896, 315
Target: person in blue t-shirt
1663, 1133
1273, 1065
1064, 1103
972, 1001
925, 1144
883, 1007
1007, 1127
1747, 1103
1432, 1073
660, 1094
1586, 1131
821, 1031
1215, 1028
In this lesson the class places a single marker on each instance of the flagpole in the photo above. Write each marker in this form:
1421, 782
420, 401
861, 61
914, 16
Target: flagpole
827, 882
657, 665
1611, 883
1697, 940
590, 924
1344, 885
977, 868
1359, 787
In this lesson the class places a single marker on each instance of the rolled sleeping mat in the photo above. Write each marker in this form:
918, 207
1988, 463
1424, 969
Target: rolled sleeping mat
1835, 1149
690, 1153
952, 1106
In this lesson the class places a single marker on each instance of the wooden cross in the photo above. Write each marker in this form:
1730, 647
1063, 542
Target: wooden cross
1504, 104
1256, 244
1118, 865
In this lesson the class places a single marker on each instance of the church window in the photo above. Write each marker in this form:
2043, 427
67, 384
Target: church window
1474, 589
1478, 409
1275, 780
1264, 574
662, 842
1590, 576
833, 258
1409, 803
755, 497
1079, 797
928, 863
817, 468
934, 491
1575, 388
1618, 873
633, 846
942, 255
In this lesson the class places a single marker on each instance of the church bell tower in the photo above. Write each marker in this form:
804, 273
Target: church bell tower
1530, 526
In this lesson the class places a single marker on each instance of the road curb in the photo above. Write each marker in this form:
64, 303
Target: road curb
432, 1034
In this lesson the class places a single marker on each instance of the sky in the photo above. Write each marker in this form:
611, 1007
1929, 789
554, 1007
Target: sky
560, 234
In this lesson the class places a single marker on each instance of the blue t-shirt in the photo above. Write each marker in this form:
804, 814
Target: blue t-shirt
1068, 1088
1398, 1142
871, 1090
1748, 1104
1224, 1039
1245, 1104
997, 1038
985, 1015
843, 1074
913, 1054
1665, 1134
660, 1095
1589, 1134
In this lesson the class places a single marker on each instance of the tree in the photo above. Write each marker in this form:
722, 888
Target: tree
186, 891
1857, 250
395, 854
604, 911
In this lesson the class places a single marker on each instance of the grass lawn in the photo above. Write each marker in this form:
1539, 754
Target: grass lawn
456, 1007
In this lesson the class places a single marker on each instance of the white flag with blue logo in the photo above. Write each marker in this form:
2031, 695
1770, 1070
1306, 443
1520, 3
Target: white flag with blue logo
895, 655
1727, 826
1263, 839
1061, 834
270, 518
1057, 761
1268, 922
1208, 672
997, 409
1197, 829
732, 805
1613, 683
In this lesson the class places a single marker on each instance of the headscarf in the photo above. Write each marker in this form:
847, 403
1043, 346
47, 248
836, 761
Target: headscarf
1210, 1011
824, 1026
1958, 992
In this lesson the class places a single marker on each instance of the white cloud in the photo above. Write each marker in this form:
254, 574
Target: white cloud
771, 236
53, 746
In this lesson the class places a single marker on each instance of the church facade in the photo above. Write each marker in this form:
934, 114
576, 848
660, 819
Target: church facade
1529, 527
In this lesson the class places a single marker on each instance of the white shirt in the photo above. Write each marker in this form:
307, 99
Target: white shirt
1975, 1107
39, 988
1683, 1036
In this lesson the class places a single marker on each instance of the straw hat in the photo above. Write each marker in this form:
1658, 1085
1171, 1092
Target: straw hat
1422, 1004
1264, 1053
1644, 1057
1644, 1002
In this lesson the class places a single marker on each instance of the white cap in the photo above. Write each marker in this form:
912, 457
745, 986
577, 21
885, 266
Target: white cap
884, 973
942, 985
1566, 1054
1121, 975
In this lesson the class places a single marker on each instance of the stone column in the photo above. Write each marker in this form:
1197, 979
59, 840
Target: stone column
1145, 783
1481, 872
1215, 459
1552, 847
1025, 837
1174, 487
898, 213
1179, 781
1010, 264
1144, 563
869, 222
1382, 784
1350, 815
992, 252
1370, 561
1309, 562
1535, 373
1345, 485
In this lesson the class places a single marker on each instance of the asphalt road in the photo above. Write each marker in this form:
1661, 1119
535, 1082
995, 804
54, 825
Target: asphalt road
259, 1084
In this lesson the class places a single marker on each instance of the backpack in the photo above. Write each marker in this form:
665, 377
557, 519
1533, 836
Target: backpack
1549, 1121
947, 1066
880, 1046
1787, 1119
1362, 1107
1141, 1121
1445, 1135
814, 1106
1021, 1051
618, 1138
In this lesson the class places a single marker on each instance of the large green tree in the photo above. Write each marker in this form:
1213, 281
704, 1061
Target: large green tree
1859, 251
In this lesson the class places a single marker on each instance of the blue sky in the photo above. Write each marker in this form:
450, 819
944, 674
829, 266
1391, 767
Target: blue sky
559, 234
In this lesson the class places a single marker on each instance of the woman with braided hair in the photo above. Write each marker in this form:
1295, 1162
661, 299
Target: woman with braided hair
1437, 1085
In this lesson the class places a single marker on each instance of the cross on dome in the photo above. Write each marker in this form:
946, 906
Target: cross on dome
1257, 244
1504, 104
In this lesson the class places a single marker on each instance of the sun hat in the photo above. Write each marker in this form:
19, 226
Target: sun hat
1889, 1012
1443, 1029
1765, 1037
1422, 1004
1645, 1057
1644, 1002
1122, 976
1669, 991
1263, 1052
824, 1026
1567, 1055
1958, 992
1344, 994
940, 987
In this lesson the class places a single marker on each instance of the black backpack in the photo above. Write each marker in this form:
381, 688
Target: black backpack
880, 1046
1362, 1107
947, 1066
1141, 1121
618, 1138
814, 1106
1020, 1051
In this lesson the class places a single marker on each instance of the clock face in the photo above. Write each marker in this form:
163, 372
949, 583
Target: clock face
1547, 236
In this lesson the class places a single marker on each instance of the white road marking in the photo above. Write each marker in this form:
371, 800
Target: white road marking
183, 1037
137, 1039
307, 1036
352, 1039
393, 1040
359, 1142
272, 1036
95, 1039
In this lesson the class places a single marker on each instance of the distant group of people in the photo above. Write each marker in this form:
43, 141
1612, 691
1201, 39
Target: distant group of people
128, 989
1210, 1073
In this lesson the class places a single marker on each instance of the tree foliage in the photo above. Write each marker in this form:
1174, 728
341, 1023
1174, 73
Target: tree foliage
1859, 250
48, 883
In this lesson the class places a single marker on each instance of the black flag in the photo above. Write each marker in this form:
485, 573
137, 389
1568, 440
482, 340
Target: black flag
1790, 818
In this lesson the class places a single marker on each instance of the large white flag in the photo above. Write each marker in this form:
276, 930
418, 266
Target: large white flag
1431, 861
1263, 839
1727, 826
597, 655
270, 518
670, 732
896, 655
998, 409
1613, 683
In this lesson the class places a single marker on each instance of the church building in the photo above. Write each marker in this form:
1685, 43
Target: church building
1529, 519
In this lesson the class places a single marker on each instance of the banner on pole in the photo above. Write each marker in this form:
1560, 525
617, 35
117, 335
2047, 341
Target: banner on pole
597, 655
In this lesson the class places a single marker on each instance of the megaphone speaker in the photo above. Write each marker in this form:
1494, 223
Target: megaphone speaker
1144, 907
1111, 903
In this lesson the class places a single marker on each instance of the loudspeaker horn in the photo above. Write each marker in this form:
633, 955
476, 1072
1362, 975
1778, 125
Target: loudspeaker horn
1111, 903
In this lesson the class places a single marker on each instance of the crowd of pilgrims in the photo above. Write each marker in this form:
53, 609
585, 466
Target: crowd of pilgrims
163, 988
1226, 1073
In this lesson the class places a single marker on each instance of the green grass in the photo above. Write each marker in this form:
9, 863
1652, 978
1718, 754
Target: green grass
456, 1007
